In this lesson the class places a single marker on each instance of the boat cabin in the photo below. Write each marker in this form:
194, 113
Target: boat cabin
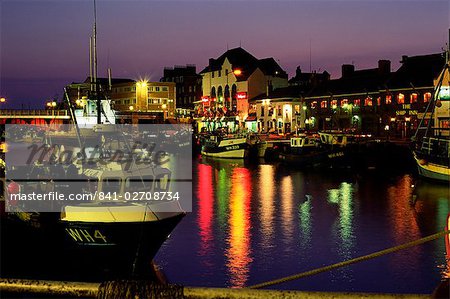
336, 139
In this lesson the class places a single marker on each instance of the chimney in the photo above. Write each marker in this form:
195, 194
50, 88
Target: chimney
404, 58
211, 61
269, 88
384, 67
298, 72
347, 70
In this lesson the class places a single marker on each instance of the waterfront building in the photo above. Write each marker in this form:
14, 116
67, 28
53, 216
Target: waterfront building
351, 102
283, 110
153, 101
308, 80
188, 87
408, 92
234, 78
278, 112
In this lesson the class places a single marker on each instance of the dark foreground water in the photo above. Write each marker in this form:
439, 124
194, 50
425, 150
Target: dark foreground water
253, 223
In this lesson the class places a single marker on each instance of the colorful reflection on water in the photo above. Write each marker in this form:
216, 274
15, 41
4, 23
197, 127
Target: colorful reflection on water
253, 223
238, 252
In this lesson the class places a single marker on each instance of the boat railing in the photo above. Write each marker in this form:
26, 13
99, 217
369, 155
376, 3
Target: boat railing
436, 147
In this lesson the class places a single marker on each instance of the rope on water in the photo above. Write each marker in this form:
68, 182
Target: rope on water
136, 289
352, 261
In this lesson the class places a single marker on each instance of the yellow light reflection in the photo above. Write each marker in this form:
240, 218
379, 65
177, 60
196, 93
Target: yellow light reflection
343, 197
403, 221
305, 224
266, 195
287, 207
239, 252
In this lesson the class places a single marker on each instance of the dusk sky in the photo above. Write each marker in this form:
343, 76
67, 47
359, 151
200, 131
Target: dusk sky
45, 44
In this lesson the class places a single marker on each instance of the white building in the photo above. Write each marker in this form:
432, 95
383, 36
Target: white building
280, 112
230, 81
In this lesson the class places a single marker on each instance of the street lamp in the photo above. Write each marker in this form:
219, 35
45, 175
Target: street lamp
164, 107
141, 94
2, 100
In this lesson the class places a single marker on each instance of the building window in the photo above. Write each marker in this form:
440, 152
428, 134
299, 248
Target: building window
357, 103
413, 98
344, 102
195, 88
323, 104
164, 88
368, 101
400, 98
156, 88
212, 74
426, 97
334, 104
388, 99
219, 73
378, 101
190, 88
262, 111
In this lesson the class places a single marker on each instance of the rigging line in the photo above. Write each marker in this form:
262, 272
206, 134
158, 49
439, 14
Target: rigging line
351, 261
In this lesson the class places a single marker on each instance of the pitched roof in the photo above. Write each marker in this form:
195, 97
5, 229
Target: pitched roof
247, 63
360, 81
417, 71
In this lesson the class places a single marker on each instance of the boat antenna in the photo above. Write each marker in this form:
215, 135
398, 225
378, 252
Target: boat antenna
310, 59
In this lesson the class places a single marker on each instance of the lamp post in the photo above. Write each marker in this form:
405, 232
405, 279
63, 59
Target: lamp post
164, 107
141, 95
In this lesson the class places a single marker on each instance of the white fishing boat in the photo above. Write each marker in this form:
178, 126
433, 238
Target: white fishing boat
432, 137
225, 146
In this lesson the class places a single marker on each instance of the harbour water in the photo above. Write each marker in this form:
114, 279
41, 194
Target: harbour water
256, 222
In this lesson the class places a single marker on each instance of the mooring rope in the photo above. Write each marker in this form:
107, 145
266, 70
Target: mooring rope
133, 289
352, 261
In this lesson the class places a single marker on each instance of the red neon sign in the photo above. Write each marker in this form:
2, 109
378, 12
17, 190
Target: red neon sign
241, 95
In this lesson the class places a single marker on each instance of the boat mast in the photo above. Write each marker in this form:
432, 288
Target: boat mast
431, 107
94, 66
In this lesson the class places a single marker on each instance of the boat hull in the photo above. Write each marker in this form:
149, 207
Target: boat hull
232, 149
337, 157
106, 250
432, 170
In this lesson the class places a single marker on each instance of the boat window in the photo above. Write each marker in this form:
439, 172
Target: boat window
91, 185
340, 139
162, 182
111, 184
138, 183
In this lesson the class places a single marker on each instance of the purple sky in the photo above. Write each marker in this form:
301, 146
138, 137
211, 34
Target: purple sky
44, 44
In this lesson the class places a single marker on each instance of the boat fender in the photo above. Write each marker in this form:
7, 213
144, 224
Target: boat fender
13, 188
423, 162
